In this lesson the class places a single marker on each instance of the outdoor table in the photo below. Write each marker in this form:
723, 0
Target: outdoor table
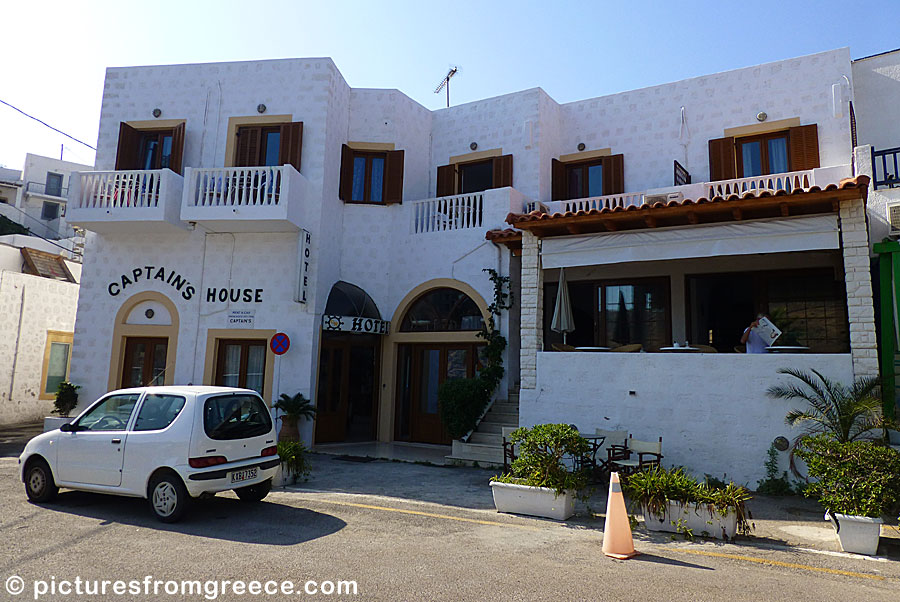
787, 349
680, 349
593, 349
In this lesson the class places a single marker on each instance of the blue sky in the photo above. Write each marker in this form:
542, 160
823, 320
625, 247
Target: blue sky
55, 53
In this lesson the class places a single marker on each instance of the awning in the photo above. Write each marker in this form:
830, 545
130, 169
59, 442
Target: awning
744, 238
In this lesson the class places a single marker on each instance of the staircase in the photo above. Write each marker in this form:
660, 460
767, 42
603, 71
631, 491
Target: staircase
485, 444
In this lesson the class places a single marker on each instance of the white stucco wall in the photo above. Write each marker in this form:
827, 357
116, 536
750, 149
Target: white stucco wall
710, 409
876, 82
29, 306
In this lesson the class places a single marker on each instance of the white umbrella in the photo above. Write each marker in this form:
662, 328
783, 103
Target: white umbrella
562, 314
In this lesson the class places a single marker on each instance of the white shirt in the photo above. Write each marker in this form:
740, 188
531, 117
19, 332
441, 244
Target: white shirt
755, 343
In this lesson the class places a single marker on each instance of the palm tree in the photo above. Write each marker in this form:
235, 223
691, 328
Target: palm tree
844, 413
294, 407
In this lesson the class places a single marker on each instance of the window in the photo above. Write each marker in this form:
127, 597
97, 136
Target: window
111, 414
229, 417
158, 411
241, 363
474, 176
57, 353
49, 211
145, 362
762, 155
371, 176
150, 148
442, 309
53, 184
269, 145
586, 179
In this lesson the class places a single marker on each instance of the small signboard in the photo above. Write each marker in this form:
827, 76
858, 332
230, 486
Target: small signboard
280, 343
241, 318
303, 260
767, 331
353, 324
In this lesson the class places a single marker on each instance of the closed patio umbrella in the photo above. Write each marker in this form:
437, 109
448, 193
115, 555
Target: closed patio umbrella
562, 314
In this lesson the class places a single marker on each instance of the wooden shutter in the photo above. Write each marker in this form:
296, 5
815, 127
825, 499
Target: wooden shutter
446, 180
721, 159
393, 177
248, 140
129, 149
345, 189
614, 174
503, 171
291, 144
804, 143
559, 189
176, 161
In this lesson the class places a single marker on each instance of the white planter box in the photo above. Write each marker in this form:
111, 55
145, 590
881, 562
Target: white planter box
857, 534
52, 423
699, 518
534, 501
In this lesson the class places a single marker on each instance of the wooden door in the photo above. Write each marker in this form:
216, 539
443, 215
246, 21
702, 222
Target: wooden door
332, 399
145, 362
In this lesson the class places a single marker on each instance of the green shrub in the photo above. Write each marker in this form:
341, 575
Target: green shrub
774, 484
462, 401
855, 477
66, 398
293, 459
543, 453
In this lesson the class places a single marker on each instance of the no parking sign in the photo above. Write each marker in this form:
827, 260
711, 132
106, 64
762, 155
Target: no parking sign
280, 343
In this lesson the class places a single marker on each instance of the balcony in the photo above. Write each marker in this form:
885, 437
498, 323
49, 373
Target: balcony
57, 193
246, 199
125, 201
475, 211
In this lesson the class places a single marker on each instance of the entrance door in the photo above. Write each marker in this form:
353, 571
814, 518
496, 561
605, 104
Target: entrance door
422, 370
145, 362
348, 388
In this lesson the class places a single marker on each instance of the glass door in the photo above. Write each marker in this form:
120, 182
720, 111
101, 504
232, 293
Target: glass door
145, 362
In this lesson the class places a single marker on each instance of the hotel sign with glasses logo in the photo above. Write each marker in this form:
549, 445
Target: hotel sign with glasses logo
354, 324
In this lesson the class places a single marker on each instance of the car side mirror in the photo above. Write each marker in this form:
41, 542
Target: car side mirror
67, 428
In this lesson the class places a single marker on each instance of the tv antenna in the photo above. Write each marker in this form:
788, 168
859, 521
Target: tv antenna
445, 83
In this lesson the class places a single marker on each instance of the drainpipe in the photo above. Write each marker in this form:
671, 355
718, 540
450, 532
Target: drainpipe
12, 376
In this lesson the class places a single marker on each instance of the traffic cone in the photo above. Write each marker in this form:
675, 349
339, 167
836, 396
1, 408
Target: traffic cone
617, 541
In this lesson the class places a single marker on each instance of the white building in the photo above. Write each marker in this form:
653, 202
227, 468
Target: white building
238, 200
38, 298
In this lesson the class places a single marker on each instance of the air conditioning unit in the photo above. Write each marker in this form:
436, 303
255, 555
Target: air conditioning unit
893, 217
535, 206
663, 197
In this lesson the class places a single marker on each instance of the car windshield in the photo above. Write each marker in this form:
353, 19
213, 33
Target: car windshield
235, 417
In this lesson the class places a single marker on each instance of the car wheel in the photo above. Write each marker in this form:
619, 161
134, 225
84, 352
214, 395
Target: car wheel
169, 498
254, 493
39, 484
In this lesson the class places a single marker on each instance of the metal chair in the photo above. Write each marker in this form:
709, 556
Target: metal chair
621, 457
611, 439
562, 347
509, 449
706, 348
632, 348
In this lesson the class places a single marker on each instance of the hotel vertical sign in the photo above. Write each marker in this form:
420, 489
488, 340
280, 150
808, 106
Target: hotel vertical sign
303, 260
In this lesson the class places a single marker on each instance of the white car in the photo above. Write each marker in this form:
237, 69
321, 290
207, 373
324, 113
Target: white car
166, 444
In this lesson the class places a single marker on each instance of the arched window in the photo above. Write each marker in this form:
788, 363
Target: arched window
442, 310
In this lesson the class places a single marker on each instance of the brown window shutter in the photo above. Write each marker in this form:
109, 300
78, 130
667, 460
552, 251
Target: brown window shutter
721, 159
345, 190
247, 147
559, 190
393, 177
446, 180
129, 149
614, 174
176, 163
503, 171
291, 144
804, 143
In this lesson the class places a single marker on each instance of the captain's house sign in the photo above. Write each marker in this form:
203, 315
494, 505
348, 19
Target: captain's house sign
358, 325
152, 273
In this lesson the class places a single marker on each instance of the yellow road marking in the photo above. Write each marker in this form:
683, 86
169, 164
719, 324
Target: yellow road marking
789, 565
432, 515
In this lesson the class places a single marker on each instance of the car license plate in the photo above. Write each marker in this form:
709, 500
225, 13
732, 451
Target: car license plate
244, 475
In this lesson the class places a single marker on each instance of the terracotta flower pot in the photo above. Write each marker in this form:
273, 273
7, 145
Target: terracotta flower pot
289, 430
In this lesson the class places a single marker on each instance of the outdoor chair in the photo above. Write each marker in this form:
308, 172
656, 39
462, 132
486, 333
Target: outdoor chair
611, 438
706, 348
634, 456
509, 450
562, 347
633, 348
740, 349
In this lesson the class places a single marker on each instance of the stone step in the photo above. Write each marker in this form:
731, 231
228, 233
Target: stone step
493, 439
513, 397
502, 418
505, 407
474, 452
489, 427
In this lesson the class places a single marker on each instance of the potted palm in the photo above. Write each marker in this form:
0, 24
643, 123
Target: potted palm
541, 481
66, 400
857, 483
293, 408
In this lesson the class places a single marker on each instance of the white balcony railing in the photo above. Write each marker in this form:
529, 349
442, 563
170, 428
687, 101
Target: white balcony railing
611, 201
235, 187
121, 189
448, 213
782, 182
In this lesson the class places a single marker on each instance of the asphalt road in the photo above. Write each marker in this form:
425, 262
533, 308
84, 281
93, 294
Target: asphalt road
394, 550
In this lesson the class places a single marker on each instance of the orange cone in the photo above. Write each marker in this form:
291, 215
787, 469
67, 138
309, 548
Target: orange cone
617, 541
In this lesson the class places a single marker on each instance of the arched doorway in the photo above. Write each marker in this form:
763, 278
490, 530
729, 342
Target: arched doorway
437, 340
145, 336
347, 395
